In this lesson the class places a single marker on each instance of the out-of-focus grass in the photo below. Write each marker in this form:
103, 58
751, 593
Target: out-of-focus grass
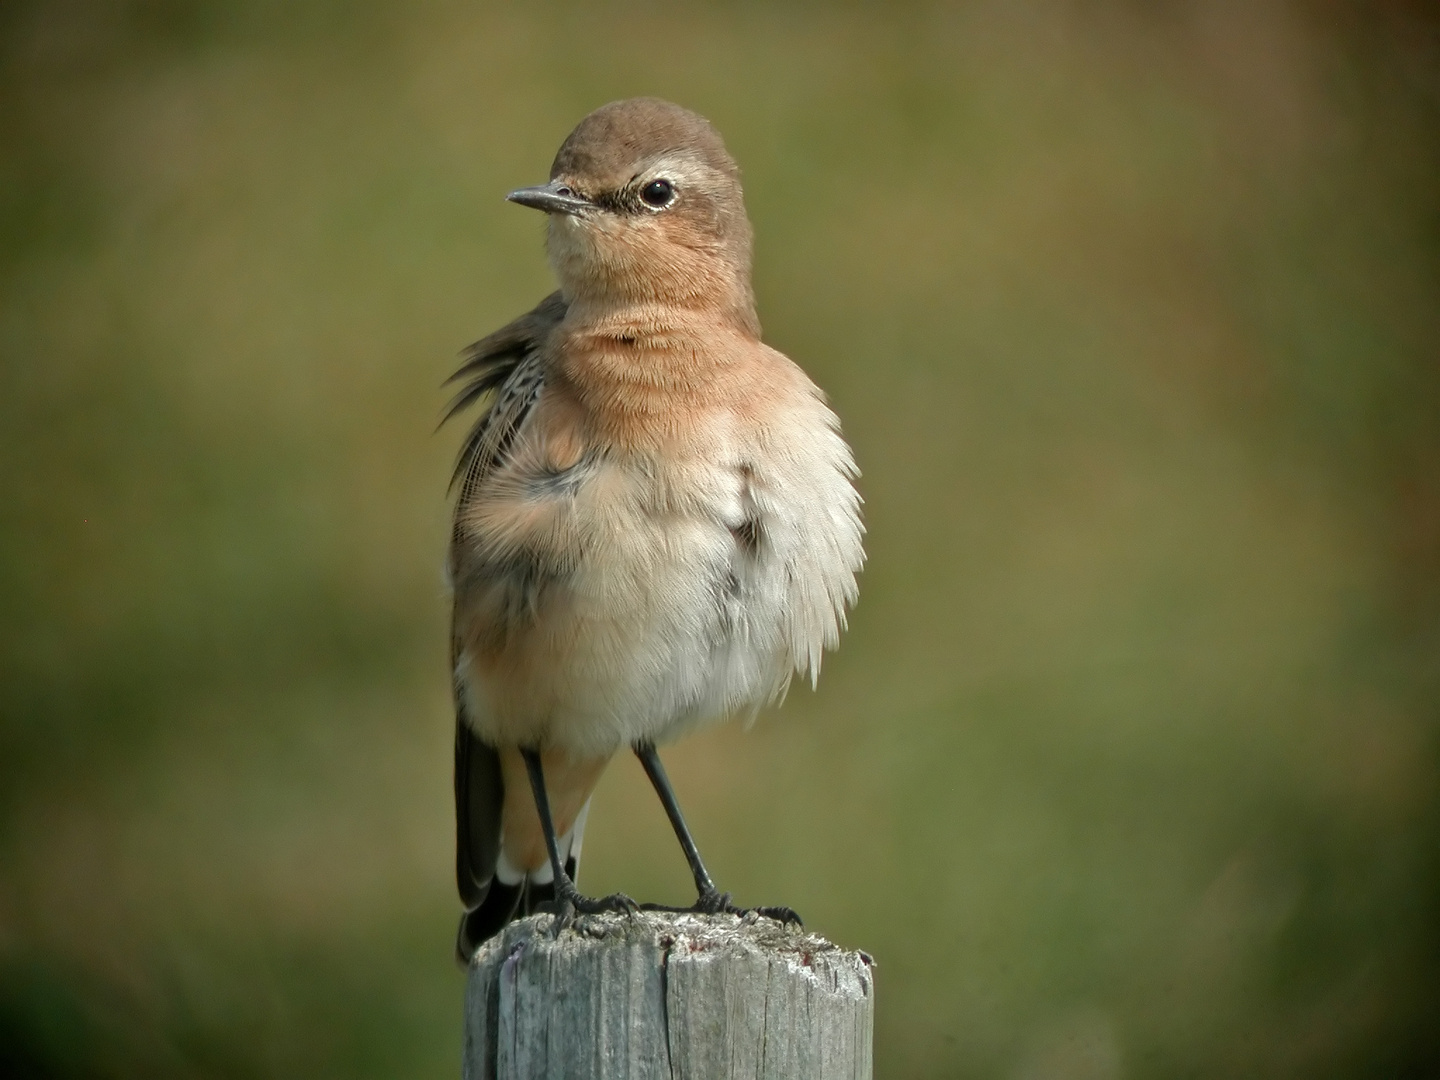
1128, 765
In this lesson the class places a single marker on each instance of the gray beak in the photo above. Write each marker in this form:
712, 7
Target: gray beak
553, 198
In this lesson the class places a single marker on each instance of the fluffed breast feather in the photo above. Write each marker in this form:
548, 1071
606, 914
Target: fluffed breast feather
609, 592
814, 473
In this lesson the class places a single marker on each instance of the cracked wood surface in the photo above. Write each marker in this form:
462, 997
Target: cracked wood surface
667, 997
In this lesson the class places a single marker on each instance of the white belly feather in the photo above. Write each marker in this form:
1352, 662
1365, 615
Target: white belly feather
700, 587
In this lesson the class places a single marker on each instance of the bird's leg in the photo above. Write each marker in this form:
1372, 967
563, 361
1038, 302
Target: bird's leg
711, 900
568, 899
704, 884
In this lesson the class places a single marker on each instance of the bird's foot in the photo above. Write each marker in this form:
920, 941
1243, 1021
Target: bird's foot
781, 914
714, 902
570, 902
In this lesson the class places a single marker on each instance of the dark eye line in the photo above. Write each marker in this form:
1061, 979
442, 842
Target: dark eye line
628, 200
611, 200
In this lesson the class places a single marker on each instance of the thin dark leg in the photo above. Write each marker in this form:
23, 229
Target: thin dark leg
711, 899
542, 805
568, 899
650, 759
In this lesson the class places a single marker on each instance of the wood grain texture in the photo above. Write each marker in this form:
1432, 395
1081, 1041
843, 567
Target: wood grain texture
667, 997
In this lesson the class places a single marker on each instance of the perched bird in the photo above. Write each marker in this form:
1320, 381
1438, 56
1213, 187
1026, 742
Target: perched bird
656, 522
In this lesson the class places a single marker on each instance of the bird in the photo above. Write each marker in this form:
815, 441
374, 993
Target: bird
656, 521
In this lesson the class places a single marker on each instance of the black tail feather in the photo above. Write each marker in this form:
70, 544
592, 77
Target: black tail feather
503, 904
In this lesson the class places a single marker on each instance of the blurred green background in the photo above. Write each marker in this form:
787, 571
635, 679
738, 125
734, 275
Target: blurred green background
1127, 767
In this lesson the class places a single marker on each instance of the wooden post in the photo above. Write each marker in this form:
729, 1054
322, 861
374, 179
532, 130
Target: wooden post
659, 996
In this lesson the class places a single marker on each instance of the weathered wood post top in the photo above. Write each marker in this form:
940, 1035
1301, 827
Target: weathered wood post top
661, 996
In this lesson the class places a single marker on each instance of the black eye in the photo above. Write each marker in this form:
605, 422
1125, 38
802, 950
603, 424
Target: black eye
658, 193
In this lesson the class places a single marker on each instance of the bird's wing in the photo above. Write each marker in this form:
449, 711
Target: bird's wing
507, 362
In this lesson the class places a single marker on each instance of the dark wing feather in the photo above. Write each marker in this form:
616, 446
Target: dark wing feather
479, 796
479, 793
509, 363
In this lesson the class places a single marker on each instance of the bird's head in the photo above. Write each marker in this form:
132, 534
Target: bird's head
645, 208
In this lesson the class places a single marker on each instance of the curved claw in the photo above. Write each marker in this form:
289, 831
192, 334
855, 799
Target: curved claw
780, 914
716, 903
618, 903
571, 902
